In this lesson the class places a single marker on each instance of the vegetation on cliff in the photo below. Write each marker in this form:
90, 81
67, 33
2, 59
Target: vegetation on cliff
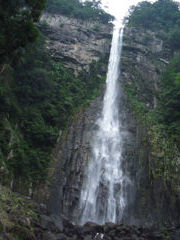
163, 122
169, 96
38, 97
17, 27
89, 10
17, 219
36, 103
162, 15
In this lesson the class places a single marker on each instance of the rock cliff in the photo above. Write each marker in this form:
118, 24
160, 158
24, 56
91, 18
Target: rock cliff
75, 42
144, 57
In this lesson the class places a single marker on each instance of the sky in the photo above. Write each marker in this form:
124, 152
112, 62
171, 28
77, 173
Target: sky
119, 8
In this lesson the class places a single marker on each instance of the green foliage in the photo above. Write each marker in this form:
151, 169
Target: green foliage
162, 14
39, 97
148, 37
89, 10
163, 123
165, 152
17, 26
16, 217
169, 100
173, 38
96, 28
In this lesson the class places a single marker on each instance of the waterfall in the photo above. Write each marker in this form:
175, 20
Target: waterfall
103, 192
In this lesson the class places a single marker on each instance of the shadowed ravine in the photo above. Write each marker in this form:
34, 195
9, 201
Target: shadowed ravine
104, 173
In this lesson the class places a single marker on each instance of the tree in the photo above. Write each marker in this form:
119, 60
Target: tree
173, 38
17, 18
87, 10
169, 113
162, 14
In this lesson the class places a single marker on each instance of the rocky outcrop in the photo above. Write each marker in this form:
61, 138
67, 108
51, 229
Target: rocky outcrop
73, 158
23, 219
109, 231
144, 57
75, 42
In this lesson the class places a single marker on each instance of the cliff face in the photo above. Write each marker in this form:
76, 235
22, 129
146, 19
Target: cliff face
75, 42
144, 57
73, 157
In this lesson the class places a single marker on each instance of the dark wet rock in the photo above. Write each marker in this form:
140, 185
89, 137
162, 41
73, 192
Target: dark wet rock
109, 226
135, 237
4, 236
88, 237
52, 223
74, 156
116, 232
175, 235
67, 224
43, 208
48, 236
157, 235
47, 229
109, 231
61, 236
45, 221
91, 227
58, 222
77, 44
149, 203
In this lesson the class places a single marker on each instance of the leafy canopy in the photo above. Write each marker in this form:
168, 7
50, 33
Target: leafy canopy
38, 97
162, 14
89, 10
17, 19
169, 109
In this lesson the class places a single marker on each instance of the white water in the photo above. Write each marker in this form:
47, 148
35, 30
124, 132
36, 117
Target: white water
103, 195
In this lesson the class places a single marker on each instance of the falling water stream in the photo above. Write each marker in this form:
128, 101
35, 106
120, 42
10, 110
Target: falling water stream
103, 193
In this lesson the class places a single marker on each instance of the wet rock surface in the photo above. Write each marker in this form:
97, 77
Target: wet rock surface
143, 62
149, 203
109, 231
75, 42
72, 157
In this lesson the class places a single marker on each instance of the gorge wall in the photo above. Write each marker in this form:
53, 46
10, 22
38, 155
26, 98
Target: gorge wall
52, 88
150, 202
74, 41
63, 63
145, 57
